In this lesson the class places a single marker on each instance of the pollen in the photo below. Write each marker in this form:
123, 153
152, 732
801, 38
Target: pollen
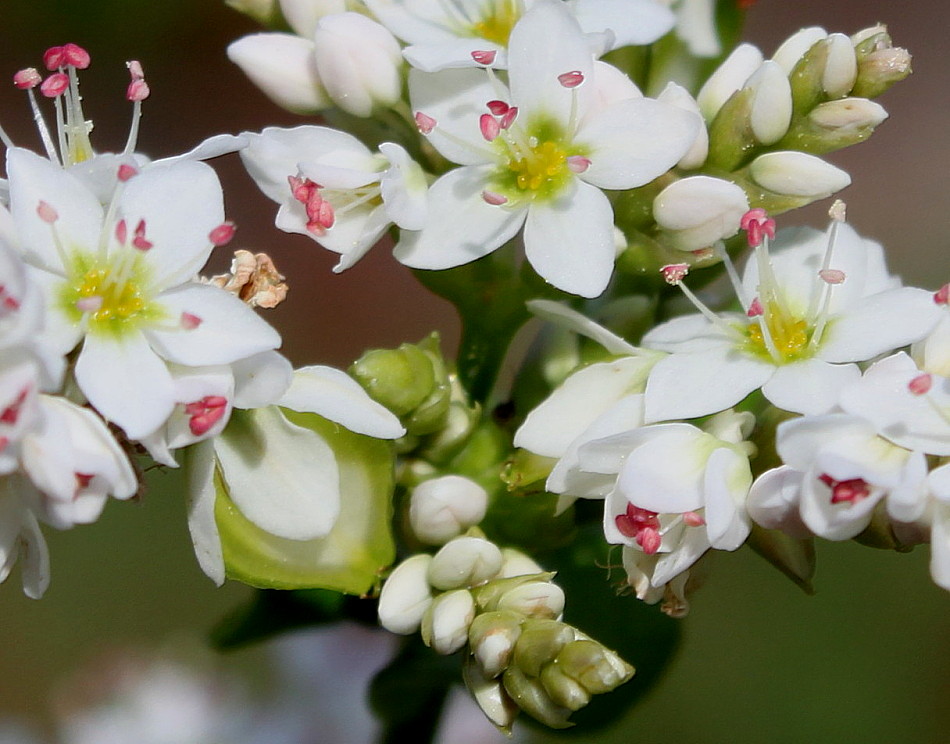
113, 296
788, 336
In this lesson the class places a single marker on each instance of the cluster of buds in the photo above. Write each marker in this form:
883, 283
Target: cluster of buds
502, 609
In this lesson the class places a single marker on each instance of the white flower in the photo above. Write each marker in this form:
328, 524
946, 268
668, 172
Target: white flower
699, 211
813, 308
333, 189
539, 158
446, 34
118, 281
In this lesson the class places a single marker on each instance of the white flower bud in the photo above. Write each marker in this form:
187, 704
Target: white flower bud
771, 108
678, 96
866, 33
406, 596
727, 79
359, 62
492, 637
847, 114
797, 174
841, 67
465, 561
490, 695
517, 564
282, 66
303, 15
540, 599
441, 508
795, 46
699, 210
445, 623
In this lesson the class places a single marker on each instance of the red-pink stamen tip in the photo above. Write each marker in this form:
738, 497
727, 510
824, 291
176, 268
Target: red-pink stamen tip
489, 127
484, 57
509, 117
75, 55
851, 491
135, 69
755, 309
89, 304
496, 200
12, 412
83, 480
138, 90
642, 525
55, 85
205, 413
425, 123
121, 232
578, 163
139, 240
832, 276
921, 384
126, 172
47, 213
692, 519
571, 79
942, 295
222, 234
27, 78
498, 108
674, 273
54, 58
757, 224
190, 321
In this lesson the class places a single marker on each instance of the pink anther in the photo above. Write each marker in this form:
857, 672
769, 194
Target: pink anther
121, 232
126, 172
27, 78
755, 309
578, 163
674, 273
496, 200
55, 85
757, 224
89, 304
222, 234
942, 295
54, 58
190, 321
692, 519
851, 491
12, 412
508, 118
489, 127
832, 276
7, 300
571, 79
75, 55
642, 525
425, 123
205, 413
921, 384
484, 57
135, 69
139, 240
138, 90
46, 212
83, 480
498, 108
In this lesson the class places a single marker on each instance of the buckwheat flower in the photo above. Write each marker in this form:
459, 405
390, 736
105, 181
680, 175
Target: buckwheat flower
118, 283
537, 155
813, 307
448, 34
333, 189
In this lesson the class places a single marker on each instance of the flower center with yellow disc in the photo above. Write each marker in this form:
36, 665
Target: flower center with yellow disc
787, 338
532, 167
497, 20
111, 294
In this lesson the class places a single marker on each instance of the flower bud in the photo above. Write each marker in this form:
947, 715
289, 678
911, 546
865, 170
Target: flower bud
488, 595
729, 77
540, 599
517, 564
771, 106
841, 67
796, 45
699, 210
282, 66
264, 12
406, 596
797, 174
304, 15
880, 64
464, 562
446, 621
492, 637
359, 62
441, 508
598, 669
836, 124
490, 695
563, 690
539, 643
530, 696
676, 95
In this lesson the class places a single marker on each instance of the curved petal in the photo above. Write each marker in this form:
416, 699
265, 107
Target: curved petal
810, 386
126, 382
633, 22
570, 241
284, 67
335, 395
726, 485
404, 188
461, 226
199, 465
665, 472
227, 330
260, 380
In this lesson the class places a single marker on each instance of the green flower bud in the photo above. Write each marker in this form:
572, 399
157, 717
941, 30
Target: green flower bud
593, 666
835, 124
531, 697
540, 599
539, 643
563, 690
488, 595
490, 695
465, 562
406, 595
446, 621
827, 70
492, 637
880, 64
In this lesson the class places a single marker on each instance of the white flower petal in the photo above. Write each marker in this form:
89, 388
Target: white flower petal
260, 380
565, 317
632, 22
809, 386
453, 53
726, 485
199, 464
404, 188
665, 473
283, 66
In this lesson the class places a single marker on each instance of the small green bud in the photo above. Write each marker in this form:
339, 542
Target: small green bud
827, 70
564, 690
465, 562
539, 643
446, 621
488, 595
593, 666
490, 695
730, 133
530, 696
492, 637
880, 64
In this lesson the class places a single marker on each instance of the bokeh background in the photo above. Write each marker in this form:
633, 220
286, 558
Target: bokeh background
866, 660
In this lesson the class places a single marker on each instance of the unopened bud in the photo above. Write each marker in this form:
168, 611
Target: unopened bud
540, 599
836, 124
563, 690
598, 669
729, 77
530, 696
697, 211
441, 508
265, 12
517, 563
446, 621
771, 105
492, 637
488, 595
464, 562
539, 643
797, 174
406, 596
795, 47
841, 67
678, 96
358, 61
880, 64
490, 695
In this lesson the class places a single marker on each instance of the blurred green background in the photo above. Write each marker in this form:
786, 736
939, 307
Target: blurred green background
866, 660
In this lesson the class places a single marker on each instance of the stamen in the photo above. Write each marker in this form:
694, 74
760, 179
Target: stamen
425, 123
12, 412
205, 413
508, 118
190, 321
139, 240
673, 274
496, 200
54, 58
27, 78
942, 295
485, 57
832, 276
89, 304
55, 85
755, 309
498, 108
222, 234
75, 55
757, 224
121, 232
571, 79
126, 172
137, 91
47, 213
692, 519
578, 163
851, 491
921, 384
489, 127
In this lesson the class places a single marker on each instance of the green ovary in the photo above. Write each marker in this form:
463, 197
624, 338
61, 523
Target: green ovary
536, 171
790, 335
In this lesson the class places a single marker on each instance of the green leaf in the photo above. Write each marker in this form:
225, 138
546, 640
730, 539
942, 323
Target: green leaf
360, 544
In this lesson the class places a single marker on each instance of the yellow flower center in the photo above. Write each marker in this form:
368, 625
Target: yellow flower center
788, 336
497, 20
533, 162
